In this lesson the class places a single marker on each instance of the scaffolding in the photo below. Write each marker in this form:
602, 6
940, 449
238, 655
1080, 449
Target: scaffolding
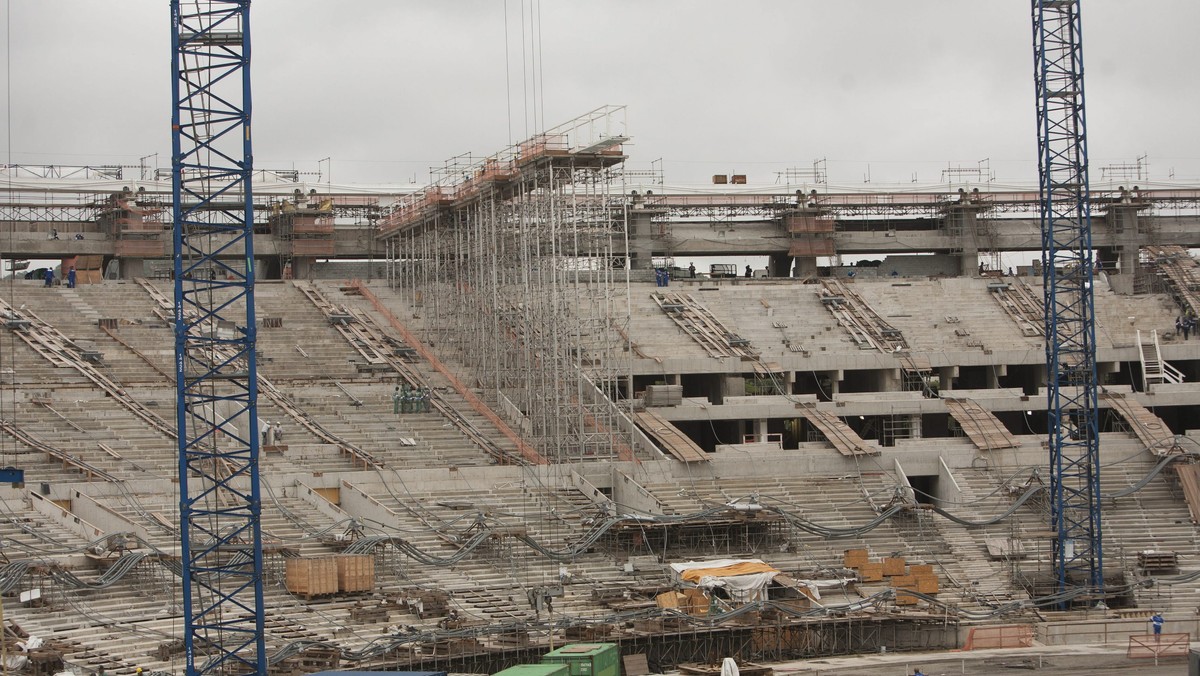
517, 263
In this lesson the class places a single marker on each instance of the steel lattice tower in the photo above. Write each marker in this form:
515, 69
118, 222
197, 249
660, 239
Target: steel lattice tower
1067, 273
216, 380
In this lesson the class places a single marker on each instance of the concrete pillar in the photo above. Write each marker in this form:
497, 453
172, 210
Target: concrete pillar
132, 268
890, 380
806, 266
1104, 368
641, 238
303, 266
946, 376
760, 429
1125, 227
735, 386
963, 217
993, 375
835, 379
968, 264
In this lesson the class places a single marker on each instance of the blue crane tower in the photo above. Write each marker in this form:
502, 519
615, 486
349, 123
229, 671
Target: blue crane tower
1067, 273
216, 378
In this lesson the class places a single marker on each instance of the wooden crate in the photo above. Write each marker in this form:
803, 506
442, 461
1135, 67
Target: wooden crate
919, 569
903, 581
854, 558
927, 584
894, 565
317, 576
697, 601
871, 572
796, 605
355, 572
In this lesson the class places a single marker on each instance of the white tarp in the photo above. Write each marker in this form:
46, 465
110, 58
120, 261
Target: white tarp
741, 587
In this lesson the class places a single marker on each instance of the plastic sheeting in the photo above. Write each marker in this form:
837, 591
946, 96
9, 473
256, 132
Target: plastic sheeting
744, 580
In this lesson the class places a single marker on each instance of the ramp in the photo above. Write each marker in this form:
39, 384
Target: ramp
981, 427
1189, 478
1147, 427
664, 432
838, 433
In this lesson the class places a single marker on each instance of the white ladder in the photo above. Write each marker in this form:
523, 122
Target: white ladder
1154, 369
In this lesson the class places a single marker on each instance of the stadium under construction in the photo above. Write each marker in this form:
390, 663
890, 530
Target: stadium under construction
495, 417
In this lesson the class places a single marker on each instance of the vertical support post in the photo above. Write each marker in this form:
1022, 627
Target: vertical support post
1067, 271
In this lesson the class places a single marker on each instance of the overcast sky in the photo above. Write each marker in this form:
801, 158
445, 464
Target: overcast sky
387, 88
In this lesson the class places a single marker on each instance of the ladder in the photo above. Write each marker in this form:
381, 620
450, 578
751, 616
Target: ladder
1154, 369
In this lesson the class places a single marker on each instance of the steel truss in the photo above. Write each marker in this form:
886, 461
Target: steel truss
1067, 271
216, 379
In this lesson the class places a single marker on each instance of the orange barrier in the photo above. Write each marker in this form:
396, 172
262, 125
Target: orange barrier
1145, 646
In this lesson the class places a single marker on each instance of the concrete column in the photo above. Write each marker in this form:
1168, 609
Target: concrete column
131, 268
993, 375
890, 380
641, 239
735, 386
1125, 225
916, 427
968, 264
965, 216
302, 267
946, 376
835, 379
806, 266
760, 429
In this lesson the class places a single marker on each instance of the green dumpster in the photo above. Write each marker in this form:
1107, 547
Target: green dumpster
587, 659
536, 670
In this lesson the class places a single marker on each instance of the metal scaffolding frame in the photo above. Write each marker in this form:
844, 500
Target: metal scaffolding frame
517, 262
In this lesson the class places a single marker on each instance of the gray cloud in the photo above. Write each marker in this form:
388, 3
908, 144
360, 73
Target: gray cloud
388, 87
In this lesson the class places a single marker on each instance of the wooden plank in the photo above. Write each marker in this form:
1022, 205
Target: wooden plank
1147, 427
677, 443
1189, 478
838, 433
981, 427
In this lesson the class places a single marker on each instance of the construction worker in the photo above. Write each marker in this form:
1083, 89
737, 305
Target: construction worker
49, 277
427, 400
396, 400
1156, 621
71, 277
692, 270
